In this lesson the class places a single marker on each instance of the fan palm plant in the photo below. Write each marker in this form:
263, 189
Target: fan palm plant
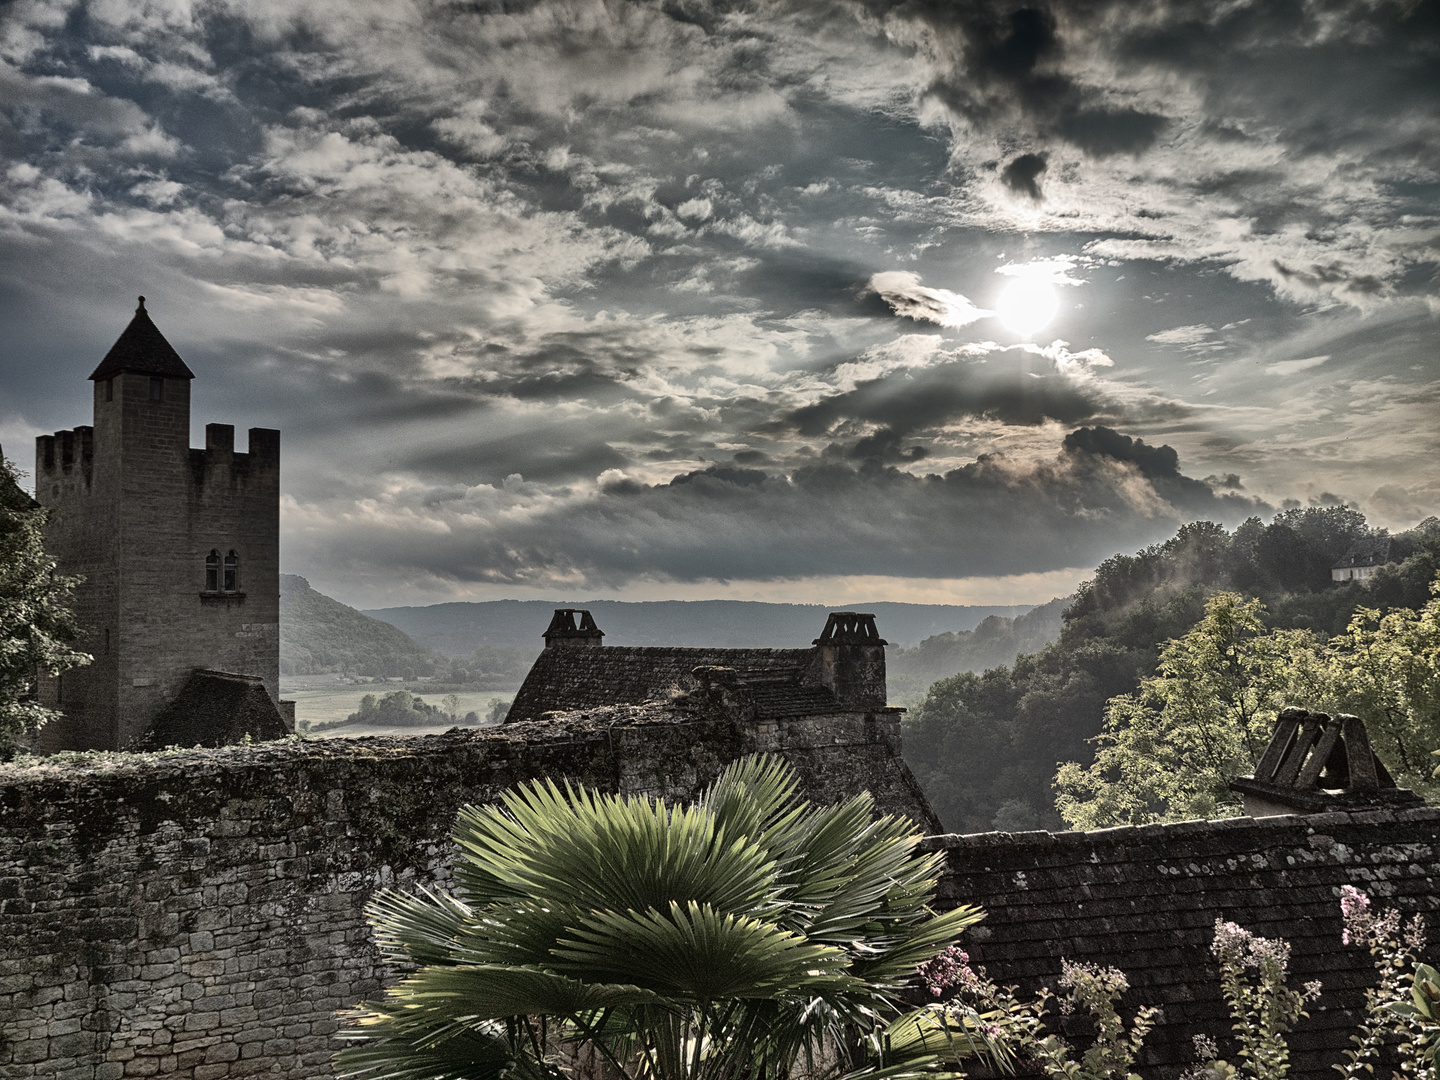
739, 937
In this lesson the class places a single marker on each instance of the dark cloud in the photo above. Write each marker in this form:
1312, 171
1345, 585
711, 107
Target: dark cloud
1152, 461
707, 479
995, 515
1160, 465
752, 457
885, 446
1015, 388
1228, 482
1022, 175
995, 62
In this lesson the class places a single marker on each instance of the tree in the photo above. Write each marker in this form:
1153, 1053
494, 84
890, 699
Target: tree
36, 623
722, 940
1169, 752
1386, 668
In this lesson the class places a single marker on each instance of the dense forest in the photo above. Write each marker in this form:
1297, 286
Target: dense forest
986, 747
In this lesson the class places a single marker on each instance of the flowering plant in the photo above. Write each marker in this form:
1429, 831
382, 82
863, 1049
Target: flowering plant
1395, 950
1003, 1018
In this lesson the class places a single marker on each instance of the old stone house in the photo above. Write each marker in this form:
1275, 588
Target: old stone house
179, 549
1362, 560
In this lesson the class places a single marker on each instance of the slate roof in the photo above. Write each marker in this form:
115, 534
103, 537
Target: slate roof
586, 676
216, 708
141, 348
1373, 552
1145, 900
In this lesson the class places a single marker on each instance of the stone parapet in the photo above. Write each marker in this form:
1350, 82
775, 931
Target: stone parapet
200, 913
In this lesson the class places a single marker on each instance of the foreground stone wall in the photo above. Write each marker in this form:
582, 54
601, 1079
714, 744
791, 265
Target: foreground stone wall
200, 913
1145, 900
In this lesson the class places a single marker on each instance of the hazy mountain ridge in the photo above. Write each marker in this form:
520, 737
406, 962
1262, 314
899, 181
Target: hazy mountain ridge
996, 642
319, 634
458, 628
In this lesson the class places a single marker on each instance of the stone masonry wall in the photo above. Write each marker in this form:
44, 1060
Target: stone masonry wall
199, 914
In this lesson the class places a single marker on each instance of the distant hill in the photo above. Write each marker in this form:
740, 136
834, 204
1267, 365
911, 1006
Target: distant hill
318, 635
996, 642
458, 629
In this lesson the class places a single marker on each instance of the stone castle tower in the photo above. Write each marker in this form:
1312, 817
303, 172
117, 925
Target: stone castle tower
179, 549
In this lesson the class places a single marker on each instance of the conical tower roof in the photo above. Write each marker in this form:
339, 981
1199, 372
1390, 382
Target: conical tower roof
143, 350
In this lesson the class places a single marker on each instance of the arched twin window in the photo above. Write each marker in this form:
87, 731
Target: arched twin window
222, 575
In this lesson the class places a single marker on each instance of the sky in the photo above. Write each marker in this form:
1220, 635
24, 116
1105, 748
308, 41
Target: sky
830, 301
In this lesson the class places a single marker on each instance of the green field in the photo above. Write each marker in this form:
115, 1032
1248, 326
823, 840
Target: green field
325, 704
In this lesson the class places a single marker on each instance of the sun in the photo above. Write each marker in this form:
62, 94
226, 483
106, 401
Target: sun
1027, 305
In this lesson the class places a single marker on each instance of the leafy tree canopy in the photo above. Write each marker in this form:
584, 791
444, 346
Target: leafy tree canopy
37, 626
1169, 752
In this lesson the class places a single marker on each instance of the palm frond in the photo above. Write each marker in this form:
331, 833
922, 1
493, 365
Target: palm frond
572, 847
696, 953
383, 1053
753, 796
419, 929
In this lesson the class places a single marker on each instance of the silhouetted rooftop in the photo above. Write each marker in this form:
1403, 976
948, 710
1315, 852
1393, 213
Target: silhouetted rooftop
144, 350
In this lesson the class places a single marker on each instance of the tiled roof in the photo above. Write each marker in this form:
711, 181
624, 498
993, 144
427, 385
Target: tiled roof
144, 350
1145, 900
587, 676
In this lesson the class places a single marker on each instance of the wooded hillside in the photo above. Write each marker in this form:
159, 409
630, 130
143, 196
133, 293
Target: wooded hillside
986, 747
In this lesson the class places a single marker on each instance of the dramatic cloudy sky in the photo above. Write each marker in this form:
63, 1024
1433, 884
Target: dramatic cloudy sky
699, 298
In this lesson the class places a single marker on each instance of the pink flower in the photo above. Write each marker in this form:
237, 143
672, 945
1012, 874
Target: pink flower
950, 969
1353, 902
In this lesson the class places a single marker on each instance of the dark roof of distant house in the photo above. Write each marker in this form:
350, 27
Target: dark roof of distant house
1372, 552
217, 708
587, 676
143, 350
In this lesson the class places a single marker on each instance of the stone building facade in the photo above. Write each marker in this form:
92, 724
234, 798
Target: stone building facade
178, 548
842, 671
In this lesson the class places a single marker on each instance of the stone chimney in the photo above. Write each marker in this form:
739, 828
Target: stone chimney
851, 660
1317, 762
571, 628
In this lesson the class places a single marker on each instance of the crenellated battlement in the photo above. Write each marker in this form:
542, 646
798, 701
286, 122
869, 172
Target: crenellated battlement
220, 465
63, 453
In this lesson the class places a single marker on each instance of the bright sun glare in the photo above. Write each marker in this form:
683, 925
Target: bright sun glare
1027, 305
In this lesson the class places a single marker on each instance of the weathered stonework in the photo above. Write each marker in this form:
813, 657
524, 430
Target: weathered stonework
199, 914
135, 511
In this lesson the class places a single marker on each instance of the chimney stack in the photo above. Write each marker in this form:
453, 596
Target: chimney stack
1318, 762
571, 628
852, 660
